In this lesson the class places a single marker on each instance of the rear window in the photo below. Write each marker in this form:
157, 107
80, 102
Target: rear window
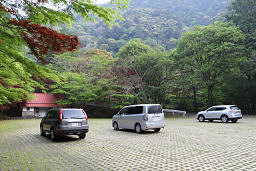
73, 114
52, 114
134, 110
154, 109
234, 108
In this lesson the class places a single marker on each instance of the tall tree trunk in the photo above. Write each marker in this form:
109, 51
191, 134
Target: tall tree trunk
252, 104
146, 98
210, 98
195, 98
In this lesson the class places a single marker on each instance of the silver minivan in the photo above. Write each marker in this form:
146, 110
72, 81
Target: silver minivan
140, 117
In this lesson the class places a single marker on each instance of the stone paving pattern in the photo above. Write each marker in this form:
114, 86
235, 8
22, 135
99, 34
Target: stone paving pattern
184, 144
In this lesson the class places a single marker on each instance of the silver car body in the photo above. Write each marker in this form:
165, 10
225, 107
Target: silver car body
146, 117
216, 112
65, 122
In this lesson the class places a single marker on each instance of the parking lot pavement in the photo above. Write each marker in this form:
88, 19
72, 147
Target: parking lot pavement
184, 144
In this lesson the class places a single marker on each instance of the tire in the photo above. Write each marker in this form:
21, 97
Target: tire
42, 132
234, 121
157, 130
115, 125
53, 135
82, 136
224, 119
138, 128
201, 118
210, 120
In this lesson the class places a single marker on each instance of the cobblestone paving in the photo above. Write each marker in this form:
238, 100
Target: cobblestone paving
185, 144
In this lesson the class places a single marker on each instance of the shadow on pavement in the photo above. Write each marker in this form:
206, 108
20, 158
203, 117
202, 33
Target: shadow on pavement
143, 132
217, 121
59, 139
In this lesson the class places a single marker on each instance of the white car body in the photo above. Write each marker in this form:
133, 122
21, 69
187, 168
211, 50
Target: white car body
224, 113
140, 117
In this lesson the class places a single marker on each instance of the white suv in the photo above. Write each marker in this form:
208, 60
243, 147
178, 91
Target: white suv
222, 112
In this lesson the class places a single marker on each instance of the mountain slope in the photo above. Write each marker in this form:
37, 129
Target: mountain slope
159, 23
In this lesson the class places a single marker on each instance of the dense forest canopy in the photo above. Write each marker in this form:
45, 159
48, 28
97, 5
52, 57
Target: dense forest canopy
206, 7
159, 23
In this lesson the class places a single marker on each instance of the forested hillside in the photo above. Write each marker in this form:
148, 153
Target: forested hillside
165, 51
159, 23
209, 64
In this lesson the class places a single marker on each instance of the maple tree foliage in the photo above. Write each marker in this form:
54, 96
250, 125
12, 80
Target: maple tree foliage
41, 40
4, 9
30, 18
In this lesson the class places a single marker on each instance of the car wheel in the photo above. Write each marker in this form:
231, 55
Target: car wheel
137, 128
53, 135
201, 118
157, 130
115, 125
224, 119
234, 121
210, 120
82, 136
42, 133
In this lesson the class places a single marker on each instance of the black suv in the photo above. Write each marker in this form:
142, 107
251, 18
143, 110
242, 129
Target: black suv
60, 122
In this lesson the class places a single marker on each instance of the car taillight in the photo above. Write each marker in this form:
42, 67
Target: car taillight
85, 114
60, 114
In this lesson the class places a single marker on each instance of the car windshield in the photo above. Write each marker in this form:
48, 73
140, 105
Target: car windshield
73, 114
154, 109
234, 108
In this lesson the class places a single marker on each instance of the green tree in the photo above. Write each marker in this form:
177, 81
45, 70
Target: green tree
94, 68
19, 76
135, 47
243, 15
74, 89
207, 53
21, 26
127, 77
155, 70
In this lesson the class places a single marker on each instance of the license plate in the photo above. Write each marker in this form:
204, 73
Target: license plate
75, 124
156, 118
